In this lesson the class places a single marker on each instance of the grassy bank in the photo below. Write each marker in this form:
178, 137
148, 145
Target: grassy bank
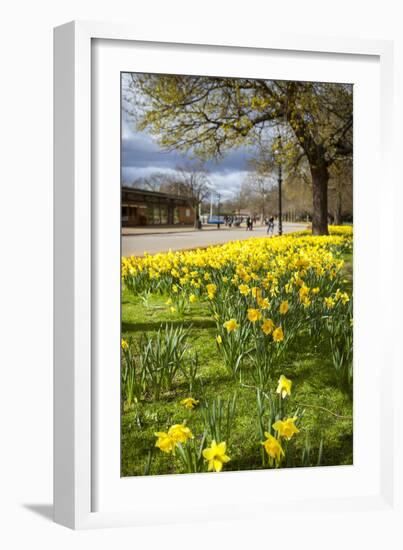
327, 408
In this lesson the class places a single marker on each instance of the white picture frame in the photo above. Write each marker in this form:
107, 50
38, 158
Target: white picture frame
78, 208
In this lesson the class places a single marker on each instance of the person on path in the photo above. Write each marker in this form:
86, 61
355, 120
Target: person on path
270, 226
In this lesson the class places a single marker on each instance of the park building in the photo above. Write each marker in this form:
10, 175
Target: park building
141, 207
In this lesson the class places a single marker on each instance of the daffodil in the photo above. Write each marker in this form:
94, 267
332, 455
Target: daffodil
263, 303
273, 447
254, 315
215, 455
284, 307
288, 288
165, 442
218, 339
231, 325
329, 302
278, 334
344, 298
284, 386
192, 298
267, 326
286, 428
244, 289
180, 433
211, 290
124, 344
189, 402
256, 292
303, 292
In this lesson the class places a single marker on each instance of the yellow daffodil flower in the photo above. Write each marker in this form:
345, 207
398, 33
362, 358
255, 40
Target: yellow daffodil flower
268, 326
284, 386
303, 292
244, 289
263, 303
216, 457
284, 307
211, 290
180, 433
231, 325
256, 293
192, 298
278, 334
164, 442
344, 297
124, 344
273, 447
189, 402
218, 339
286, 428
254, 315
288, 288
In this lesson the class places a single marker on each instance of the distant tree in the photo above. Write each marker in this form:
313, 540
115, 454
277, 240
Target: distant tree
258, 186
238, 201
208, 116
191, 181
152, 182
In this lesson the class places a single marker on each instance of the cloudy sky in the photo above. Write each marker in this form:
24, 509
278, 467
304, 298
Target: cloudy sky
141, 156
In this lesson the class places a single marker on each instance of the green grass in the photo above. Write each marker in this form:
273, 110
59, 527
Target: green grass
328, 410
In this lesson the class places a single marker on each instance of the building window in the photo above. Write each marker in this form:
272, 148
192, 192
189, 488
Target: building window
164, 214
153, 214
187, 212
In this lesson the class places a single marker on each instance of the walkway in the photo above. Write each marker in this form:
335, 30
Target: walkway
152, 240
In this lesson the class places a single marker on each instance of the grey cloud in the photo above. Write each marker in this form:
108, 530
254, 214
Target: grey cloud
142, 156
141, 150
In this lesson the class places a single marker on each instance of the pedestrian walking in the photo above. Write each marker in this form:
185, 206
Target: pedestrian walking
270, 226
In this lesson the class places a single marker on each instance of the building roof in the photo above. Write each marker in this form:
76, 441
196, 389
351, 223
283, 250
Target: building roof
149, 193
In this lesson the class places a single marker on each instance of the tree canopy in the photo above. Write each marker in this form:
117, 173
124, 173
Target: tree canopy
207, 116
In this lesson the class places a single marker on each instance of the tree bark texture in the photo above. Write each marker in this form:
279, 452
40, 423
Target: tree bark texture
320, 179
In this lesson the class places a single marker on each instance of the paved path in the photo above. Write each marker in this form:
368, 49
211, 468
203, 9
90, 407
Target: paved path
136, 245
156, 229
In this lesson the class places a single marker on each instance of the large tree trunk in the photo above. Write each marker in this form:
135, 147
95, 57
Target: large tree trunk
195, 207
320, 179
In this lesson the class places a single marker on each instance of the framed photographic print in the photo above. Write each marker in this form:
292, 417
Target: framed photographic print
214, 292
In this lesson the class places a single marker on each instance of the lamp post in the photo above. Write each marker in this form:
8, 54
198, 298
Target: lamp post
218, 213
280, 181
280, 205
